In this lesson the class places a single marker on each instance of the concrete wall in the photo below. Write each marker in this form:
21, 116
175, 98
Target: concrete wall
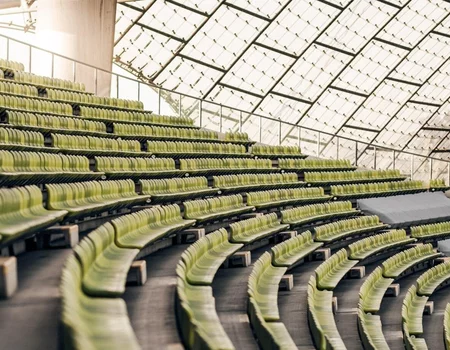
82, 30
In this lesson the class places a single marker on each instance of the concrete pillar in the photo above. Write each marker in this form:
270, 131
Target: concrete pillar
82, 30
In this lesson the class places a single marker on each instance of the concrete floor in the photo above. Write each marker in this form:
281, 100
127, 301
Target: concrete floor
30, 318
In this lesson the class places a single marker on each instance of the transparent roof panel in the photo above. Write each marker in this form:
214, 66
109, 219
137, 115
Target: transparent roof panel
374, 71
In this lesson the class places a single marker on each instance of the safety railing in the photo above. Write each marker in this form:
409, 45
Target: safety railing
222, 118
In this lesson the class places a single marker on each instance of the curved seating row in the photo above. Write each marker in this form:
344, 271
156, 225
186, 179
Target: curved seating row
277, 151
347, 228
204, 210
18, 168
23, 212
430, 280
187, 149
378, 189
34, 105
242, 182
89, 99
251, 230
329, 273
44, 82
11, 65
217, 165
237, 136
10, 87
81, 198
287, 196
328, 178
314, 212
435, 231
21, 140
315, 164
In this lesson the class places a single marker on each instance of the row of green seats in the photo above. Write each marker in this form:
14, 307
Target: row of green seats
270, 335
137, 117
164, 132
18, 139
412, 311
90, 143
177, 188
397, 264
376, 189
214, 164
236, 136
92, 322
291, 251
53, 122
372, 291
198, 321
178, 148
139, 229
251, 230
18, 89
437, 183
350, 176
82, 198
368, 246
36, 167
329, 273
320, 318
22, 212
439, 230
369, 328
42, 81
204, 257
260, 181
271, 198
266, 150
309, 213
447, 327
345, 228
431, 279
85, 98
306, 164
7, 64
34, 105
204, 210
116, 167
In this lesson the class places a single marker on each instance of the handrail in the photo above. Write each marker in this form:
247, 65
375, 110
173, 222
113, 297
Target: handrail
370, 147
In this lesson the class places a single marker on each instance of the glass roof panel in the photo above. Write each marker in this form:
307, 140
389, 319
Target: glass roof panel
442, 117
235, 99
287, 109
201, 5
425, 141
267, 8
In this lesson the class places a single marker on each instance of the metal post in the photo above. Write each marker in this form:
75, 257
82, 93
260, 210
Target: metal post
240, 121
29, 62
220, 118
448, 174
74, 69
53, 65
318, 144
139, 91
179, 108
279, 131
393, 159
431, 168
200, 112
117, 87
338, 141
299, 138
260, 129
412, 166
96, 80
159, 101
356, 153
374, 158
7, 49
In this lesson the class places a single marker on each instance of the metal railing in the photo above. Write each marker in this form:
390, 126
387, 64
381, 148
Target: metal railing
222, 118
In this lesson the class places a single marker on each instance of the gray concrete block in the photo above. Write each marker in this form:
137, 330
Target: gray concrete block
137, 273
8, 276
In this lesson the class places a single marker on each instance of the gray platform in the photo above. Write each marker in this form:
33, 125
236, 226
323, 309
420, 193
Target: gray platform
407, 210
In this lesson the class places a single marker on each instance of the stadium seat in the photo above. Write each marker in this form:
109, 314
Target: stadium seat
343, 177
105, 265
86, 198
370, 330
314, 212
30, 104
266, 151
412, 311
204, 210
237, 137
377, 189
20, 140
9, 87
92, 323
288, 196
11, 65
289, 252
23, 212
177, 189
178, 149
245, 182
203, 258
212, 166
372, 291
330, 272
137, 230
251, 230
315, 164
432, 279
435, 231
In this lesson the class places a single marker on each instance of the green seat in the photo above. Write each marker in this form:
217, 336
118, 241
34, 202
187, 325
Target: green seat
435, 231
144, 227
289, 252
372, 291
432, 278
199, 323
270, 335
263, 286
412, 342
242, 182
105, 265
251, 230
412, 311
204, 257
370, 330
372, 245
377, 189
92, 323
343, 177
315, 164
397, 264
23, 212
320, 318
330, 272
